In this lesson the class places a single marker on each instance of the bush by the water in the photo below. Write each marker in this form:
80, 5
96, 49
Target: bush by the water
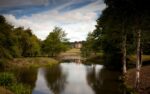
3, 63
6, 79
19, 88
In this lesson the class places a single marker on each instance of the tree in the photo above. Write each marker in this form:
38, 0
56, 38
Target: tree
140, 16
6, 39
88, 46
122, 17
26, 42
17, 42
55, 42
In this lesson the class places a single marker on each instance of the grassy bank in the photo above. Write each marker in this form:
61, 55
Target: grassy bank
8, 81
32, 62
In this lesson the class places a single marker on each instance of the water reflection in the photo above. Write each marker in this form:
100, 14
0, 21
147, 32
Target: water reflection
41, 83
76, 79
56, 79
103, 81
72, 78
26, 75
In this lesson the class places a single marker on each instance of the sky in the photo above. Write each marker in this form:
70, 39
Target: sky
76, 17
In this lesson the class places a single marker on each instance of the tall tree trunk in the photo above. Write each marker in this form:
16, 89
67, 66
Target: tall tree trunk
124, 55
124, 48
138, 66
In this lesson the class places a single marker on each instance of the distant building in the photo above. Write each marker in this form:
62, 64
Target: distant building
77, 44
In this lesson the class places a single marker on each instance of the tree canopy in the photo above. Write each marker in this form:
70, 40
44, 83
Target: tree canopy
20, 42
55, 42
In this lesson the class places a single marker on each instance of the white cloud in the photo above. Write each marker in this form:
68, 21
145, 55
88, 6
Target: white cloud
76, 23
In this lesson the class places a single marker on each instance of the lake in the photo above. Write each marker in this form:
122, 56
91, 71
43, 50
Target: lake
71, 78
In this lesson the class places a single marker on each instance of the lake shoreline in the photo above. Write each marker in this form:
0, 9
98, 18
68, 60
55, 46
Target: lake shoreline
15, 63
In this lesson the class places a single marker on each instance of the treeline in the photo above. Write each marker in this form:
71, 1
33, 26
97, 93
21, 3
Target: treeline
121, 30
20, 42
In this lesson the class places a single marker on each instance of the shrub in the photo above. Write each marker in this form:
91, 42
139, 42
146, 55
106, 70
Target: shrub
19, 88
6, 79
3, 63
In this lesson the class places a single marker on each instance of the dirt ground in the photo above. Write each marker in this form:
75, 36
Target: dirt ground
4, 91
144, 87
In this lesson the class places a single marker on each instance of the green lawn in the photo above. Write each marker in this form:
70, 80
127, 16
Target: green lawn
73, 51
144, 58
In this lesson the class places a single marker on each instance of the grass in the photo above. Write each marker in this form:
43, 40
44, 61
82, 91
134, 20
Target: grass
19, 88
6, 78
32, 62
8, 81
145, 58
73, 51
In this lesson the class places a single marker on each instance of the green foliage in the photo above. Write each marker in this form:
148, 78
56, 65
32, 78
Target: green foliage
9, 80
146, 43
17, 42
20, 89
3, 64
88, 48
5, 38
120, 19
6, 79
27, 43
20, 42
55, 42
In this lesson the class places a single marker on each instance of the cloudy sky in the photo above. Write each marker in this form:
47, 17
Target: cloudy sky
76, 17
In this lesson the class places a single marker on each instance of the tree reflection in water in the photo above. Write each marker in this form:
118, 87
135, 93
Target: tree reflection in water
26, 75
103, 81
56, 79
71, 78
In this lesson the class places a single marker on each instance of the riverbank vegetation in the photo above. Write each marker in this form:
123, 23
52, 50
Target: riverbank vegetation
32, 62
9, 80
122, 35
20, 48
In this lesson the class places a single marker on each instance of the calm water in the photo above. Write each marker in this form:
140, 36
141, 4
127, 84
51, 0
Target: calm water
71, 78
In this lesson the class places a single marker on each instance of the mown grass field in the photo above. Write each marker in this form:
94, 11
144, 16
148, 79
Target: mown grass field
71, 52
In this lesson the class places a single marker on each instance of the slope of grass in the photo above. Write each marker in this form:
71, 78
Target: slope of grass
73, 51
